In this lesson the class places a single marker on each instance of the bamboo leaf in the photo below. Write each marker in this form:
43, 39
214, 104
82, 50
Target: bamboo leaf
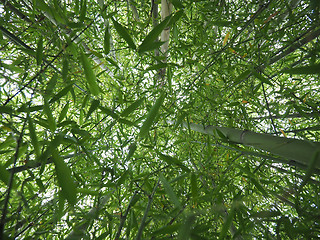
94, 105
33, 136
90, 76
227, 224
107, 39
194, 187
151, 116
65, 180
51, 84
132, 107
311, 69
4, 175
64, 112
108, 112
62, 93
132, 149
65, 69
168, 189
152, 36
83, 11
50, 118
173, 161
123, 32
39, 52
261, 78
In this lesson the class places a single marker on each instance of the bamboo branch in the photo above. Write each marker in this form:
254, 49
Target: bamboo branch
124, 216
144, 218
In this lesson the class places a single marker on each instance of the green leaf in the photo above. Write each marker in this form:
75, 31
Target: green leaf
108, 112
173, 161
194, 187
151, 116
83, 11
4, 175
157, 66
65, 69
123, 32
261, 78
132, 149
50, 118
63, 112
132, 107
266, 214
112, 62
107, 39
39, 52
65, 180
177, 3
227, 223
90, 76
33, 136
51, 84
152, 36
94, 105
312, 69
6, 109
62, 93
168, 229
168, 189
242, 76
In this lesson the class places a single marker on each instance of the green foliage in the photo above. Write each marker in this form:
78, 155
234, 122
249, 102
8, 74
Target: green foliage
106, 137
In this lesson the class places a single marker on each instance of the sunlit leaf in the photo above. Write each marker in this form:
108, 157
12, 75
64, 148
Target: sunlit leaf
90, 76
65, 180
132, 107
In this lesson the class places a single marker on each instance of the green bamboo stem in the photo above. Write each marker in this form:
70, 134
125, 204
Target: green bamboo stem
301, 151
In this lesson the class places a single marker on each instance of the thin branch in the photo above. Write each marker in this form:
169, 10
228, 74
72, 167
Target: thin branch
144, 218
10, 185
124, 216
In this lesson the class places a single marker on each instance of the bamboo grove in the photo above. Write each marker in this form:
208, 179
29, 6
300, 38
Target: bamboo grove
161, 119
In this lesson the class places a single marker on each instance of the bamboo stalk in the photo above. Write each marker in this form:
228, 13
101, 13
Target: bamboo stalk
301, 151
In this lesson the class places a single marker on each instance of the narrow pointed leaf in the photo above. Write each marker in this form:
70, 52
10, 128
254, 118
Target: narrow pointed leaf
108, 112
312, 69
50, 118
64, 112
4, 174
62, 93
132, 107
65, 180
90, 76
261, 78
39, 52
171, 194
107, 41
94, 105
33, 136
194, 187
151, 116
152, 36
123, 32
173, 161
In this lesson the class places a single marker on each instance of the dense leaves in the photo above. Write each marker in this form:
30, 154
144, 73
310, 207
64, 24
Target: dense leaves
106, 134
